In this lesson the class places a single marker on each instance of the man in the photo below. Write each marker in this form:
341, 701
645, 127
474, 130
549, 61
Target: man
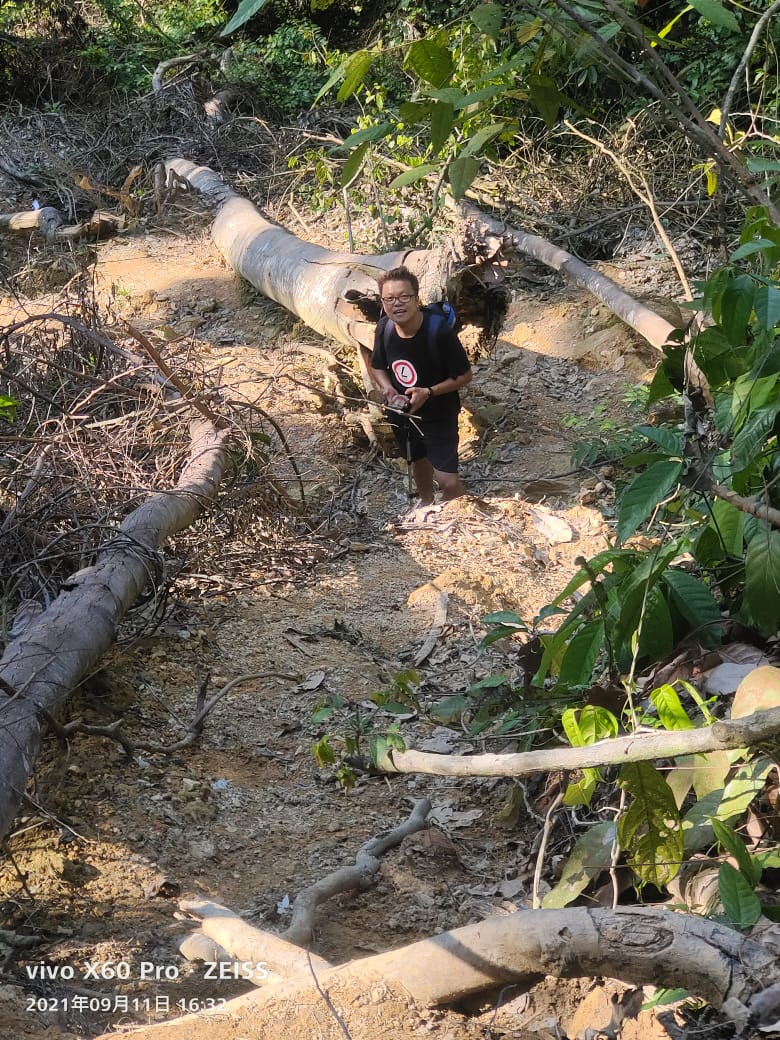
419, 377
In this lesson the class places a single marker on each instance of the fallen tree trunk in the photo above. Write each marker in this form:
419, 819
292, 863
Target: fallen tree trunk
46, 220
634, 944
642, 319
333, 293
53, 653
50, 224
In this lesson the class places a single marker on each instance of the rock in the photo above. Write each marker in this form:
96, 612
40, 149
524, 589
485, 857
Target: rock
553, 528
759, 690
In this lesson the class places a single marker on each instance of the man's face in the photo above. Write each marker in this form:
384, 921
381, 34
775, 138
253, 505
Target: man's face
399, 300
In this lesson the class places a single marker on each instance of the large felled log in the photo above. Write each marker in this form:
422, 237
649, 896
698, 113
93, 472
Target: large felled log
635, 944
51, 655
50, 224
328, 290
333, 293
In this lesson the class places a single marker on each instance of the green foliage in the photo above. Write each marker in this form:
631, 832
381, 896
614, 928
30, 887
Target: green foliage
601, 439
8, 406
361, 738
459, 80
246, 9
492, 705
286, 68
649, 830
126, 43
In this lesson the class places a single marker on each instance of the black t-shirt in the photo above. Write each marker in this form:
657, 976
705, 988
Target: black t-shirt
412, 362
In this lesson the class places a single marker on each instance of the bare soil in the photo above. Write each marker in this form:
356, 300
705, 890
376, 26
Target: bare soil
331, 604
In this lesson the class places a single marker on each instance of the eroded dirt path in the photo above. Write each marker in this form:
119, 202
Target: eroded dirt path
328, 610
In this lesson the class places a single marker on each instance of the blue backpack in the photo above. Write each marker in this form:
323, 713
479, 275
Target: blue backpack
439, 314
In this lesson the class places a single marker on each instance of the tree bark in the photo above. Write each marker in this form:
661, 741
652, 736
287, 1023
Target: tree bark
633, 944
52, 654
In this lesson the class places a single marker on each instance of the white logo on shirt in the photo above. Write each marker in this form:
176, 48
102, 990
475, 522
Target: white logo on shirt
405, 373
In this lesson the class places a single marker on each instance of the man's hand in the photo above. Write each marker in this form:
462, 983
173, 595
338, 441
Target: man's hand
417, 397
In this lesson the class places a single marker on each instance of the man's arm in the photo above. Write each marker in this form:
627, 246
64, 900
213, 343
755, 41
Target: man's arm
420, 395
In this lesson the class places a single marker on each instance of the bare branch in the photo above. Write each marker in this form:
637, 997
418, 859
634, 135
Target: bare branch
643, 747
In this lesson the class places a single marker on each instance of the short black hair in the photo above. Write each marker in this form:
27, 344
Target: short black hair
399, 274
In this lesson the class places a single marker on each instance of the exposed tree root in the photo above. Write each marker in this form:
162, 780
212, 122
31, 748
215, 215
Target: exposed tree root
635, 944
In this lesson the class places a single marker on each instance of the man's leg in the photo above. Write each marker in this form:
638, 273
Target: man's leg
442, 446
450, 483
423, 478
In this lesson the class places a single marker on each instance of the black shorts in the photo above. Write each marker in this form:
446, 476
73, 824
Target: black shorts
436, 441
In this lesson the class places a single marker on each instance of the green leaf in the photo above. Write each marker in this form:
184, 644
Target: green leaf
246, 10
354, 71
656, 638
461, 173
505, 617
729, 840
449, 708
490, 682
476, 143
643, 494
716, 13
758, 165
581, 655
661, 386
669, 440
649, 830
414, 111
417, 173
632, 590
739, 900
581, 792
751, 439
725, 804
488, 19
584, 726
670, 710
596, 565
758, 245
736, 308
353, 165
323, 752
442, 117
370, 133
729, 523
762, 580
767, 306
335, 77
695, 603
546, 98
591, 856
432, 62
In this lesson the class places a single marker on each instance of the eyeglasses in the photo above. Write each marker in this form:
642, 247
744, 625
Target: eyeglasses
403, 298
